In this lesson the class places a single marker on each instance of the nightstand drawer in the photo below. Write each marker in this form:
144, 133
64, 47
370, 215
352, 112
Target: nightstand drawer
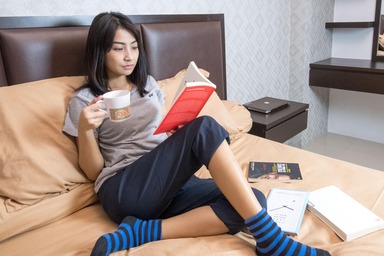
289, 128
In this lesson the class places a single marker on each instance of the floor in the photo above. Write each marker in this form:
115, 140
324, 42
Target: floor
362, 152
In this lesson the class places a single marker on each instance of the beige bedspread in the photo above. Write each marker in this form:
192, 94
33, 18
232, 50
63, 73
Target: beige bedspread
54, 211
82, 228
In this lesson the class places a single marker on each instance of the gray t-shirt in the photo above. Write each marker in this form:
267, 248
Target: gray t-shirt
121, 143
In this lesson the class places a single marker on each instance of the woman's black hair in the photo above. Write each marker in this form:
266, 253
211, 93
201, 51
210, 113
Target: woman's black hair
99, 42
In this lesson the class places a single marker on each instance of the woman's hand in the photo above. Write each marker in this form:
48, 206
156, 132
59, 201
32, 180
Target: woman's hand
171, 132
91, 116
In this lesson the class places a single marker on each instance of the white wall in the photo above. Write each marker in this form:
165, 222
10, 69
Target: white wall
353, 43
355, 114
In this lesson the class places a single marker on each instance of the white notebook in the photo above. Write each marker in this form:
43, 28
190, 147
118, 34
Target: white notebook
345, 216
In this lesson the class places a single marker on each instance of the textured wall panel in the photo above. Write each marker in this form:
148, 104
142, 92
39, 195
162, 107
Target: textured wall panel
269, 43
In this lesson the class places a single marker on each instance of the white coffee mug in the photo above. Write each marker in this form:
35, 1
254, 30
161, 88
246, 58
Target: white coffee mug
117, 105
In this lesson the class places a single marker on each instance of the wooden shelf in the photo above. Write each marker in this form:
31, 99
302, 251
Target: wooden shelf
362, 24
348, 74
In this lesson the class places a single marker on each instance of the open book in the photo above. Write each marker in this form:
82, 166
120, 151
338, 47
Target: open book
194, 91
344, 215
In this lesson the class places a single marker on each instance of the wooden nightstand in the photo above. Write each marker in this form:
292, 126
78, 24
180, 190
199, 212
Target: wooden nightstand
282, 124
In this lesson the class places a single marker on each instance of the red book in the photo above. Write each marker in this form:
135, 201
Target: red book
194, 91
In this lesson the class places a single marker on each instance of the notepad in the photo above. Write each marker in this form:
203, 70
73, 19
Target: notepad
287, 207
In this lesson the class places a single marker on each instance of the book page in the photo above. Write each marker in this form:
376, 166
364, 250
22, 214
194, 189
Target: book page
193, 74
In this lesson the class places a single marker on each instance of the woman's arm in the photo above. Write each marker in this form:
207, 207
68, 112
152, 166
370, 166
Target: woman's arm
91, 160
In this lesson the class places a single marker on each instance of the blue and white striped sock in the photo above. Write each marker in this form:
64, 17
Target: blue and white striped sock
131, 232
271, 240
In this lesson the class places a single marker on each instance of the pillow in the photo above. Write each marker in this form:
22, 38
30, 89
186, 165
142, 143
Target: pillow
240, 115
37, 160
45, 211
214, 106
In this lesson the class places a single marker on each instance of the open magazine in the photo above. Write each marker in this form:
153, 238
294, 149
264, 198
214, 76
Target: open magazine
194, 91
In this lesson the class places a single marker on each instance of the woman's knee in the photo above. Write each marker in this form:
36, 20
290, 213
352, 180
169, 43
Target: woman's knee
207, 136
207, 122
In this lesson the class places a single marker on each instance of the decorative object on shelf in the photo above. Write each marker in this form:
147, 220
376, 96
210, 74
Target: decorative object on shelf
377, 53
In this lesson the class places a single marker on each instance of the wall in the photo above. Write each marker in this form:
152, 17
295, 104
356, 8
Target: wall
310, 42
355, 114
269, 44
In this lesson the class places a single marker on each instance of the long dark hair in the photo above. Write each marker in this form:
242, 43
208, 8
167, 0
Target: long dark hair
99, 42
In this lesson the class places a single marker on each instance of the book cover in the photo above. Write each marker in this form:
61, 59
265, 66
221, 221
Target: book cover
285, 172
287, 208
344, 215
194, 91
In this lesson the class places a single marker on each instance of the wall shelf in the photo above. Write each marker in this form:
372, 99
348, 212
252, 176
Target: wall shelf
362, 24
348, 74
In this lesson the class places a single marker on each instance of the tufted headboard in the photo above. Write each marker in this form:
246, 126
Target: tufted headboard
35, 48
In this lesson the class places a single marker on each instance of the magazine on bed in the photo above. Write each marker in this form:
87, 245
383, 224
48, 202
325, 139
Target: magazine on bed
273, 171
194, 91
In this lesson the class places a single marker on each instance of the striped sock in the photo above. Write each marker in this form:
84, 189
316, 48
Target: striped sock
270, 240
131, 232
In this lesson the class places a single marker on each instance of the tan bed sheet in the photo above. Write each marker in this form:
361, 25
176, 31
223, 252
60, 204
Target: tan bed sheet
76, 234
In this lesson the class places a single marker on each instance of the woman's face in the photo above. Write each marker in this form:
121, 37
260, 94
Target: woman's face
122, 58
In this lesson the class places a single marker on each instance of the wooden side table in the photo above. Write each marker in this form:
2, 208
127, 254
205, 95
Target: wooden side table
281, 124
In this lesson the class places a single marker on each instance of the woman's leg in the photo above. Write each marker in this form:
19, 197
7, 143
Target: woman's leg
229, 178
201, 209
146, 188
201, 221
270, 239
198, 209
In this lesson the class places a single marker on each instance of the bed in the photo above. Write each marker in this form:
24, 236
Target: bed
48, 207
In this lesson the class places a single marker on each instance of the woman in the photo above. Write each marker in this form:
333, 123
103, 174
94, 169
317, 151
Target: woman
145, 182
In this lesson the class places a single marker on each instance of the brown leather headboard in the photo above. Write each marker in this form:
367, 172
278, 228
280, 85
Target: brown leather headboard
35, 48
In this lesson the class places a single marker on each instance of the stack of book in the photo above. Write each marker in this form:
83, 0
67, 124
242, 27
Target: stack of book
344, 215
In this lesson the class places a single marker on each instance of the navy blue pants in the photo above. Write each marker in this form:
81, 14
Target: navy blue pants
161, 183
